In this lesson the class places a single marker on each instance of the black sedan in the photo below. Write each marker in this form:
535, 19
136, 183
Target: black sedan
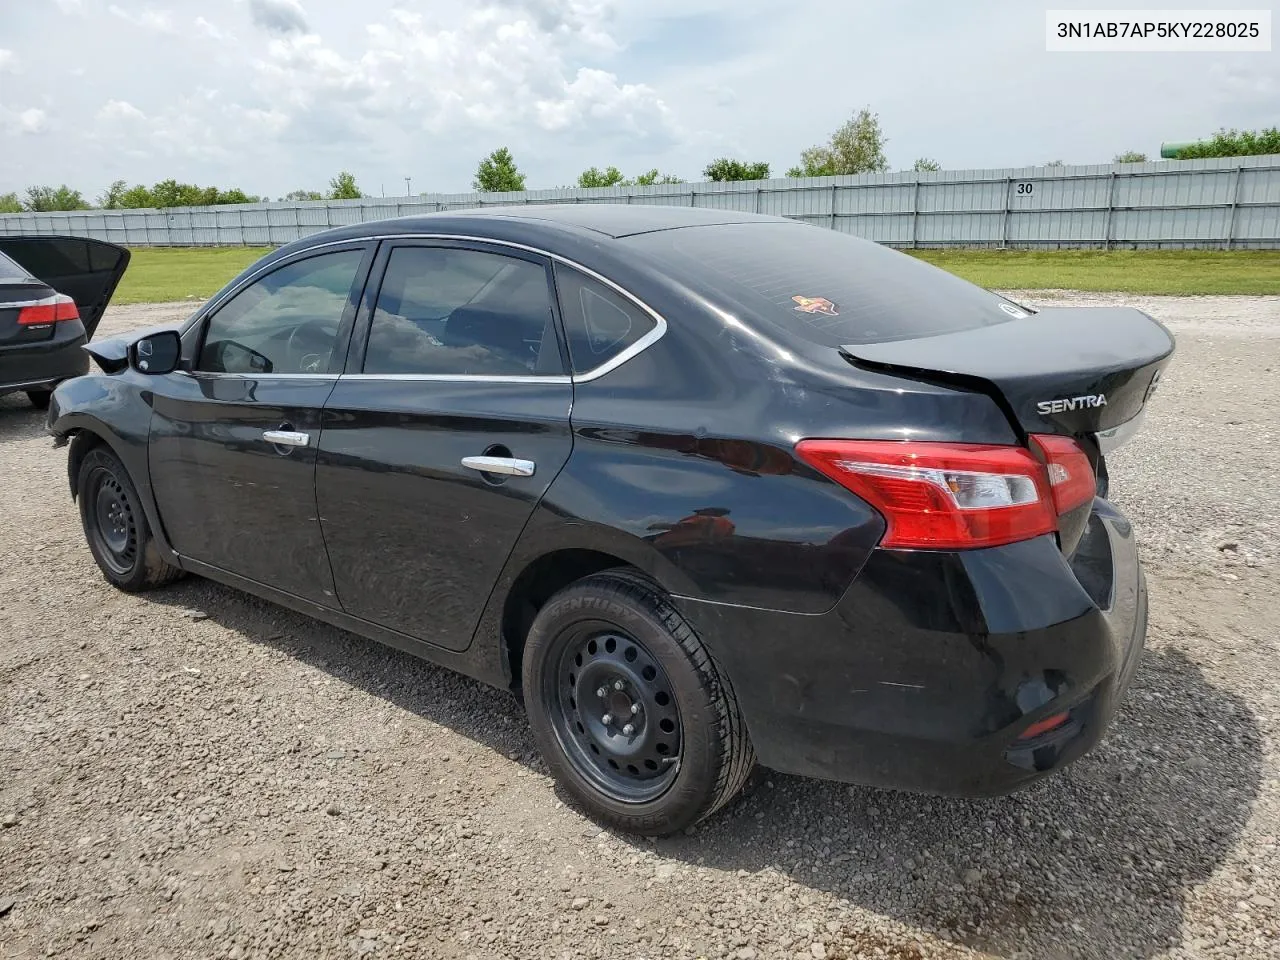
53, 292
704, 488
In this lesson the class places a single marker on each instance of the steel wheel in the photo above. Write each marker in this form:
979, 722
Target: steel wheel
114, 526
612, 709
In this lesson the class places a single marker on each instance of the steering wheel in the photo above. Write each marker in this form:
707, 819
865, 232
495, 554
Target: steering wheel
312, 361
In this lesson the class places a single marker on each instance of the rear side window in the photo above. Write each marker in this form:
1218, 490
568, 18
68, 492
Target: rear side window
10, 270
453, 311
599, 322
828, 287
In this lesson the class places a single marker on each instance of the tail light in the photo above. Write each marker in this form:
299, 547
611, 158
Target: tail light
958, 495
49, 310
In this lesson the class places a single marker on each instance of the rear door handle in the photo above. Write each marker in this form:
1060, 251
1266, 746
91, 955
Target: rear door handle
507, 466
286, 438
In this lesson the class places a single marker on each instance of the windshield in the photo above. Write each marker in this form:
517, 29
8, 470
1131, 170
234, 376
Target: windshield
826, 286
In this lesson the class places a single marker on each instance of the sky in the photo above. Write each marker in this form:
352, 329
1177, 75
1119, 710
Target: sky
276, 95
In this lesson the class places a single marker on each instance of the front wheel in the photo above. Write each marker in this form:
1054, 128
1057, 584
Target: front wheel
40, 398
116, 527
630, 712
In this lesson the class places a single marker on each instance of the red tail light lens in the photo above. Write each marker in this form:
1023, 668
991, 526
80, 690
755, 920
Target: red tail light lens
49, 310
955, 495
1071, 476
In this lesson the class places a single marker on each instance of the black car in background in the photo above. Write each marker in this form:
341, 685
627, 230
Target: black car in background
53, 291
703, 487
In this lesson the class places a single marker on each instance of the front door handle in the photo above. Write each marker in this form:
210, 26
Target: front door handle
507, 466
286, 438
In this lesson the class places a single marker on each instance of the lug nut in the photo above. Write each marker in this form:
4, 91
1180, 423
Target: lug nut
628, 730
618, 684
601, 693
635, 709
607, 719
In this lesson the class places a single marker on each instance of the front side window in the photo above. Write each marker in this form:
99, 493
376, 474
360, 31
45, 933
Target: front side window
599, 322
285, 322
453, 311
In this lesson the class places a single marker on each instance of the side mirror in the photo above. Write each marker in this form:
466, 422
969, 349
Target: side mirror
157, 354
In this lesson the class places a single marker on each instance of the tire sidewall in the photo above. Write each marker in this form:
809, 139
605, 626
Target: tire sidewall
702, 753
101, 459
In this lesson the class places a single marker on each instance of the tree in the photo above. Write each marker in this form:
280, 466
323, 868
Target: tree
856, 147
725, 169
303, 195
9, 203
1054, 163
45, 199
926, 165
1130, 156
650, 177
136, 198
498, 173
608, 177
1235, 143
343, 187
110, 198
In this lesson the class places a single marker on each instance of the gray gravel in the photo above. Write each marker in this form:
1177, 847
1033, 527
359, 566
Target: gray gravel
195, 773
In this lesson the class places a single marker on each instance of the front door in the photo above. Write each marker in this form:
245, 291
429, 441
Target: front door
448, 427
234, 439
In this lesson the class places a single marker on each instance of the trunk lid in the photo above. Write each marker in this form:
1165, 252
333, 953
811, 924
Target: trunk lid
85, 270
1067, 370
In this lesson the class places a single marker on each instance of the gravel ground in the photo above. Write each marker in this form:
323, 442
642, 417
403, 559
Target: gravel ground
195, 773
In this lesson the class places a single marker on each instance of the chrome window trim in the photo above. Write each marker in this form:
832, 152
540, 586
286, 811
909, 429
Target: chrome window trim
648, 340
225, 375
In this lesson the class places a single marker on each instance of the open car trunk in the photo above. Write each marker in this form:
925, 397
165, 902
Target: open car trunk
1077, 371
87, 271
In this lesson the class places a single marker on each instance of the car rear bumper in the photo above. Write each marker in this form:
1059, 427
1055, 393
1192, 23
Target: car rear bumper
929, 671
44, 364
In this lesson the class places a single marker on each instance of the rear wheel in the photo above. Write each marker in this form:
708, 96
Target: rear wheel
629, 710
40, 398
116, 527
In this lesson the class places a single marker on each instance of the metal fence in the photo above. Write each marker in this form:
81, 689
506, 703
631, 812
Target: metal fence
1231, 203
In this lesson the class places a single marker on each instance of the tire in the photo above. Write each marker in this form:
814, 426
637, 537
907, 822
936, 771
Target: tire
687, 753
115, 525
40, 398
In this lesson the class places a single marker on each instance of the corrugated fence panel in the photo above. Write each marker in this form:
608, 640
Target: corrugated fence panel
1178, 203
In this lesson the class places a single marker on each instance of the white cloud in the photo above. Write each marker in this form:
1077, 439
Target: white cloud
117, 110
33, 120
8, 61
70, 6
159, 21
205, 28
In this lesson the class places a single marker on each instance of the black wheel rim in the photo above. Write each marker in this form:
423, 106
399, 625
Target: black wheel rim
614, 713
111, 521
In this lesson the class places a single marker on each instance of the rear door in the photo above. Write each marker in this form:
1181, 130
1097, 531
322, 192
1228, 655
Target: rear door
233, 440
87, 271
448, 427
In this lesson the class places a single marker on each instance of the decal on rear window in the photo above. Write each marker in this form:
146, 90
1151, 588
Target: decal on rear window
816, 305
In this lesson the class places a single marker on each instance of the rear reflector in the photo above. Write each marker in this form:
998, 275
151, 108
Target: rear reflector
957, 495
1051, 722
49, 310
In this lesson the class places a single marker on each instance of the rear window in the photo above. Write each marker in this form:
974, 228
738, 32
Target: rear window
829, 287
10, 270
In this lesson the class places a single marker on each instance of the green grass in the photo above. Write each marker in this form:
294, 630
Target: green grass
158, 274
1179, 272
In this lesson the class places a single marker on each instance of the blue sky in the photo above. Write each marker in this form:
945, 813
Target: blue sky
273, 95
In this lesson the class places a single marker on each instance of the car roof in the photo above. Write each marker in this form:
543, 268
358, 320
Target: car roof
611, 219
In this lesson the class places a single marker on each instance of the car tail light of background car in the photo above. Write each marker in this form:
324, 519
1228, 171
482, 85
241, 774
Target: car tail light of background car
959, 495
49, 310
